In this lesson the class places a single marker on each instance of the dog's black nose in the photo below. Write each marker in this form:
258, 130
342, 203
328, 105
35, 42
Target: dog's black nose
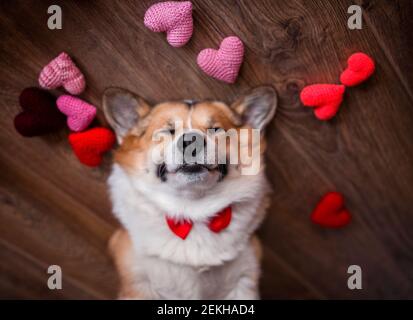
190, 103
195, 140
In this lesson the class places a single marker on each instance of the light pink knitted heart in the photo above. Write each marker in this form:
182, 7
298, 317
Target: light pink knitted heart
172, 17
79, 113
61, 71
223, 64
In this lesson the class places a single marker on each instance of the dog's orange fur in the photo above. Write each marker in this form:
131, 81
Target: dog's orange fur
133, 151
121, 250
204, 115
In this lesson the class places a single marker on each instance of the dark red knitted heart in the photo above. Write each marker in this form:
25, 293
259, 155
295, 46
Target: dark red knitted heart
40, 115
89, 146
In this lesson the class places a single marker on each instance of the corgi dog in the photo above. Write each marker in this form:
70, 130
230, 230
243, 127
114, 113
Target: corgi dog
188, 210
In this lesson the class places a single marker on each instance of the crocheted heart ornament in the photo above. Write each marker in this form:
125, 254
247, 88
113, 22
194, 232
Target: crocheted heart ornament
62, 71
224, 63
79, 113
360, 68
324, 98
89, 146
40, 115
330, 212
219, 222
172, 17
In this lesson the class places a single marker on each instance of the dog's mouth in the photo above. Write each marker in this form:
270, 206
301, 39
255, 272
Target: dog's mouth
162, 172
192, 169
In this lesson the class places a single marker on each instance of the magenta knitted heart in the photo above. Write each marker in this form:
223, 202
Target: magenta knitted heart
62, 71
79, 113
224, 63
172, 17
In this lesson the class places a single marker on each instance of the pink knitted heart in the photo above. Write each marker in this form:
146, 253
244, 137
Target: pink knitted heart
172, 17
223, 64
79, 113
61, 71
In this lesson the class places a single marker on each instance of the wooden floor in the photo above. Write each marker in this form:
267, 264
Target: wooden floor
53, 210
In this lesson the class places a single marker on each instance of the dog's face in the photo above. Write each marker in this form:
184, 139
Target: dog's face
189, 147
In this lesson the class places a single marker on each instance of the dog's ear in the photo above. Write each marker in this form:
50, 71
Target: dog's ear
257, 108
123, 109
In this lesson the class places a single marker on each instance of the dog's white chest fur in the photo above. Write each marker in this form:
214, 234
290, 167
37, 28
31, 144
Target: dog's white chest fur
205, 264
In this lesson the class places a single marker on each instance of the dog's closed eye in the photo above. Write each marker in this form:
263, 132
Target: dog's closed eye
214, 129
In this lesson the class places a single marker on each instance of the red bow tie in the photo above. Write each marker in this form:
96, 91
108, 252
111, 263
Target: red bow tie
219, 222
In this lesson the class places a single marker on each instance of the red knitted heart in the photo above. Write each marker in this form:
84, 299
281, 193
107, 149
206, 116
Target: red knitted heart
89, 146
221, 220
330, 212
360, 68
40, 115
180, 228
325, 98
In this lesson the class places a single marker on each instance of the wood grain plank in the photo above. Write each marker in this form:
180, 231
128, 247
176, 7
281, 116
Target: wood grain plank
31, 229
389, 22
27, 279
366, 152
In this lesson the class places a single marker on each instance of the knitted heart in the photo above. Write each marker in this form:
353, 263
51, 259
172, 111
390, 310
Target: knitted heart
180, 228
360, 68
224, 63
79, 113
61, 71
325, 98
39, 115
172, 17
89, 146
330, 212
221, 220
